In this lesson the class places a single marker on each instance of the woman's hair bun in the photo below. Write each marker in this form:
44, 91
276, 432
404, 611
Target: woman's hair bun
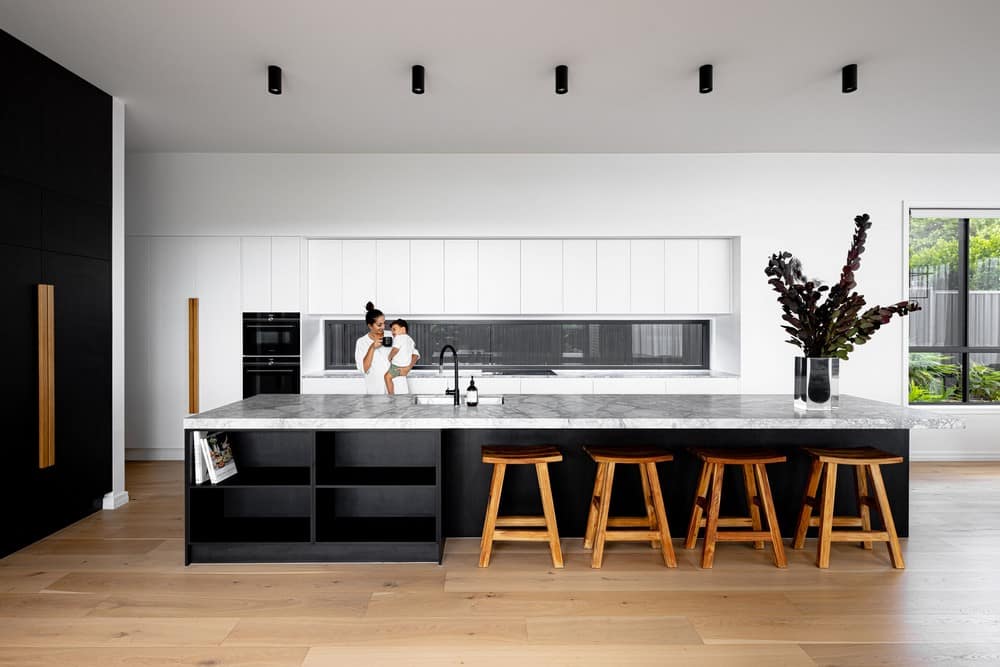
372, 313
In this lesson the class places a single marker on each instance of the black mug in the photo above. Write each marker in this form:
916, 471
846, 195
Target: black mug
386, 341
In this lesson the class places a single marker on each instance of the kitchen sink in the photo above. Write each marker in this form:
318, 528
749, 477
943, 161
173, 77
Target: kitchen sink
436, 399
517, 371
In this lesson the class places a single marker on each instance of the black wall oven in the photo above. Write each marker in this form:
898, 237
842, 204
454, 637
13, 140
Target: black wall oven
270, 375
271, 334
271, 361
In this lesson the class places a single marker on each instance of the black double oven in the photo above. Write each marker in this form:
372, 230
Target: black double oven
271, 353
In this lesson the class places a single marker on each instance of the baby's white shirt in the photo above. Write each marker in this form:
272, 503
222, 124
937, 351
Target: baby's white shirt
405, 346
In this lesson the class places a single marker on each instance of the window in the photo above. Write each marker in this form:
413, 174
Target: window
955, 338
539, 344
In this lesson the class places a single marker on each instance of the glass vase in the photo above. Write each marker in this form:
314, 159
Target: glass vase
817, 383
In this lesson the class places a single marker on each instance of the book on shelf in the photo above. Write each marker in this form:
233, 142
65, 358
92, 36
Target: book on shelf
218, 456
198, 457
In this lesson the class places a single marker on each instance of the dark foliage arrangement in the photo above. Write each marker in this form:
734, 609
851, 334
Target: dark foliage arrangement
833, 327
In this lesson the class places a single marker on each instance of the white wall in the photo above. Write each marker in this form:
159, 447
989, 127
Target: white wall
978, 442
117, 495
802, 203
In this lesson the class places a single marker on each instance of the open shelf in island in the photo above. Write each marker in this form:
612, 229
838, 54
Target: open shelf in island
362, 476
377, 529
263, 476
253, 529
319, 496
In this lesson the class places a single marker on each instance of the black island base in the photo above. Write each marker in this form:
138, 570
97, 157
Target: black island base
396, 495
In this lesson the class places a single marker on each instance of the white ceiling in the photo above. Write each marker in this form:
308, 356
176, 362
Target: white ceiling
192, 73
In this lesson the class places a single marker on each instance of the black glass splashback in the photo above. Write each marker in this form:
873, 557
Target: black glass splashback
542, 344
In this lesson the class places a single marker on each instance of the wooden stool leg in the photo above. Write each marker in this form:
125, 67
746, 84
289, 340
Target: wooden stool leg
650, 515
764, 488
712, 522
492, 508
808, 502
666, 546
826, 516
595, 503
895, 552
754, 510
700, 500
602, 518
861, 486
548, 507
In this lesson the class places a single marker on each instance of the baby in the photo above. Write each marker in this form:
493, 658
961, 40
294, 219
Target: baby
400, 356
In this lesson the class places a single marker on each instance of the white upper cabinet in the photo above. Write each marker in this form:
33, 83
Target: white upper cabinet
393, 262
715, 275
255, 273
461, 277
646, 276
541, 277
269, 273
285, 272
494, 276
499, 277
612, 276
360, 276
325, 258
681, 276
579, 276
426, 276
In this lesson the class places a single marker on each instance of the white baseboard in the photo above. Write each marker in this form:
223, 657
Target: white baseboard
154, 454
953, 456
115, 499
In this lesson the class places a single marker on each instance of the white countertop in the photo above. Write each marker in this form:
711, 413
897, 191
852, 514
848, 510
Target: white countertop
559, 373
545, 411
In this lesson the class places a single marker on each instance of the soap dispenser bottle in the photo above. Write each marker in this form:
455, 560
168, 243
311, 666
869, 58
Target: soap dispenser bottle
472, 394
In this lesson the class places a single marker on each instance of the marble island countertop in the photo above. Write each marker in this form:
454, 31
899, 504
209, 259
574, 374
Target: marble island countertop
592, 411
467, 371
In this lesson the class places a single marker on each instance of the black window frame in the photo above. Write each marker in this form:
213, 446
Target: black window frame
964, 350
429, 358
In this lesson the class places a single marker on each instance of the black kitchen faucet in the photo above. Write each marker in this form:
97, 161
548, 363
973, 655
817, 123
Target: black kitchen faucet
454, 354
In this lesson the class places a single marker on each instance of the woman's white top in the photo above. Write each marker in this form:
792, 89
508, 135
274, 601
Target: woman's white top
375, 377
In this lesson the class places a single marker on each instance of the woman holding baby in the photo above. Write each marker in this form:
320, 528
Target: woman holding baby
372, 357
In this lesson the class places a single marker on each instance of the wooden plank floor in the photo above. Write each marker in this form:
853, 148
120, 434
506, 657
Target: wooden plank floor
113, 590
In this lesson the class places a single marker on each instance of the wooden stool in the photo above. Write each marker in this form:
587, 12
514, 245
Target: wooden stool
501, 457
861, 458
655, 522
759, 498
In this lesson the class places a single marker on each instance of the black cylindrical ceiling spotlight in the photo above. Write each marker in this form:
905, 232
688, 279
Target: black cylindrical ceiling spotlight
849, 78
274, 79
562, 79
705, 79
417, 80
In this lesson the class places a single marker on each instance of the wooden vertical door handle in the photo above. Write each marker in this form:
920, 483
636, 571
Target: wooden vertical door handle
192, 356
46, 376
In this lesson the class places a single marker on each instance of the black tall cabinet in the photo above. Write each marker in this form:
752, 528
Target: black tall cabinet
55, 228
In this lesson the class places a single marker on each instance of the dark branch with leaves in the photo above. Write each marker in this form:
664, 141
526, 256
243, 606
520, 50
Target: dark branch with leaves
828, 321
